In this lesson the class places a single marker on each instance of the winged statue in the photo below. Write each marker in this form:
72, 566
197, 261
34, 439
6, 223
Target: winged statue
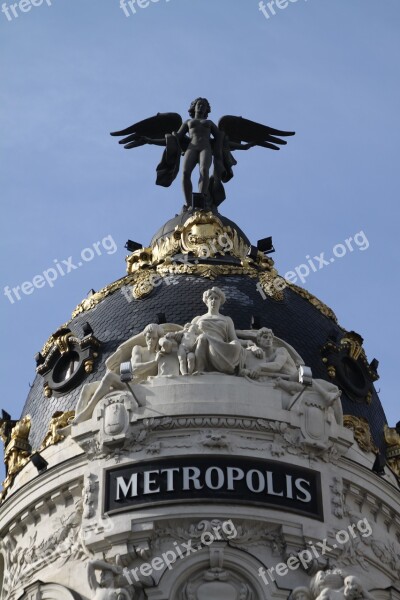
200, 142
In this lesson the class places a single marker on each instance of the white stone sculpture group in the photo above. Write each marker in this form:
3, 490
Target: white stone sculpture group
208, 344
332, 585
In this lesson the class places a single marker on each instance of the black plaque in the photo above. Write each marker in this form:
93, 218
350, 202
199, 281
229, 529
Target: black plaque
214, 479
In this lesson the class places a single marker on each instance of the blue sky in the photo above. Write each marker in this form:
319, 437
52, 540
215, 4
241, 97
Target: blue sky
73, 71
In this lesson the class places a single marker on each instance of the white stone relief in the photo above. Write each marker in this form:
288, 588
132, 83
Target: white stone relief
332, 584
115, 412
337, 499
352, 589
26, 557
248, 534
360, 550
332, 579
90, 496
214, 439
217, 582
111, 584
116, 418
278, 439
48, 591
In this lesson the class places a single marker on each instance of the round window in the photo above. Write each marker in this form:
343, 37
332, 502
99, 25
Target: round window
66, 366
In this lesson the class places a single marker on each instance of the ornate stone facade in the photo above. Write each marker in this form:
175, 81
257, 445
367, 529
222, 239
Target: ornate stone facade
167, 481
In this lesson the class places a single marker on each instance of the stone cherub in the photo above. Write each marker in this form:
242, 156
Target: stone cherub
109, 587
202, 143
187, 340
330, 578
352, 590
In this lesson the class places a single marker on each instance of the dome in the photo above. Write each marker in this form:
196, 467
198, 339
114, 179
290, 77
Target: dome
165, 283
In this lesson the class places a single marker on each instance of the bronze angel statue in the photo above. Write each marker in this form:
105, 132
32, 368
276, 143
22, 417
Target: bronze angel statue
201, 142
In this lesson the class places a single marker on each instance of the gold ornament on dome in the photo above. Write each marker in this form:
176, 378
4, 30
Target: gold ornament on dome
362, 432
204, 235
272, 284
392, 439
145, 282
52, 340
140, 259
62, 342
97, 297
209, 271
17, 451
58, 421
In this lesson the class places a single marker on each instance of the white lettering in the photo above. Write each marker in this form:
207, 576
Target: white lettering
170, 478
191, 474
124, 487
298, 484
250, 480
270, 485
148, 482
208, 478
289, 487
233, 474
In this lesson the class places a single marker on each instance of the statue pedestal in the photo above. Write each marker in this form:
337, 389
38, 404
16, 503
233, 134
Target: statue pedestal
208, 393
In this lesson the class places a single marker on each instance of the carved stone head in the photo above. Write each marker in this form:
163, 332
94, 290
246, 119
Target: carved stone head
152, 334
353, 588
265, 338
213, 295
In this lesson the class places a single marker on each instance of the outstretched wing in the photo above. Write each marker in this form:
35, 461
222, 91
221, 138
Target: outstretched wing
242, 130
155, 128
